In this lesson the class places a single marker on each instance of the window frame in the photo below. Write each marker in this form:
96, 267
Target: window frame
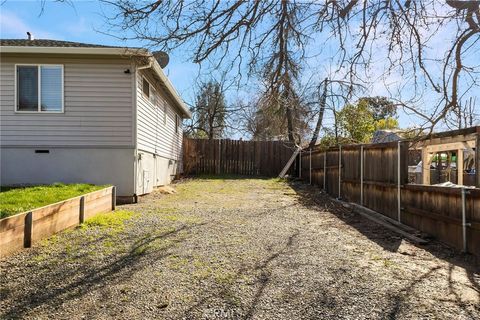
39, 104
152, 92
149, 86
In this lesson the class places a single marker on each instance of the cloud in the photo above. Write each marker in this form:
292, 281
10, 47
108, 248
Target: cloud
12, 26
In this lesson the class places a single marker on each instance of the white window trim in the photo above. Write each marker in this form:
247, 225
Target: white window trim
149, 88
39, 88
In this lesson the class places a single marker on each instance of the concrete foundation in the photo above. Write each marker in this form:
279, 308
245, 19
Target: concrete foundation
31, 166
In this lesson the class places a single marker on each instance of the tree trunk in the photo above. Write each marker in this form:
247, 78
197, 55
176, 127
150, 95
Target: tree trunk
321, 111
289, 115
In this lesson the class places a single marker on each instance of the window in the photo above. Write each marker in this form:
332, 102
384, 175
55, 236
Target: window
153, 96
177, 123
39, 88
146, 88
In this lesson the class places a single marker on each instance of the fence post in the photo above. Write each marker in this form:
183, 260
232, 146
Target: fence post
399, 182
339, 171
82, 210
325, 171
27, 231
477, 158
114, 197
219, 155
361, 175
300, 164
464, 219
310, 159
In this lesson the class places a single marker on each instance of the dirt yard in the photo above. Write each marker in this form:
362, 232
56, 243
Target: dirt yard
235, 249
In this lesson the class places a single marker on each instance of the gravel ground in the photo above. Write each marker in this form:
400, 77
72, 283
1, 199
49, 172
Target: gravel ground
235, 249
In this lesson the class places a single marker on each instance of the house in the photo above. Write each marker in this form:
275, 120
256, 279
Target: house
74, 112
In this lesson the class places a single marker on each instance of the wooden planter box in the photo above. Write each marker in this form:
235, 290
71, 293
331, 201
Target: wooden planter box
23, 229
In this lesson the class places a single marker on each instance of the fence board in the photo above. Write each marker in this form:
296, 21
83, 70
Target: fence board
225, 156
431, 209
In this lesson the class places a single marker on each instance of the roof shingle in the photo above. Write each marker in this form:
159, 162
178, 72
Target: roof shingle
48, 43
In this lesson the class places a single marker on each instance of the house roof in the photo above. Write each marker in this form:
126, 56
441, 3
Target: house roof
49, 43
49, 46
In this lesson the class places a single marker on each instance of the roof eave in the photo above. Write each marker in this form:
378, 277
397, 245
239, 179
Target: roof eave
75, 50
176, 97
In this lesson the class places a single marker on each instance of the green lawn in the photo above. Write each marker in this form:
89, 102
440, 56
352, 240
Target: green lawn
14, 200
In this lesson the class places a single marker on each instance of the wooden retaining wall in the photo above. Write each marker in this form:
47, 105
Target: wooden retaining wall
225, 156
24, 229
384, 180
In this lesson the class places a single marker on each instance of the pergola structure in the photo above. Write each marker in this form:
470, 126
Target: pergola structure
458, 141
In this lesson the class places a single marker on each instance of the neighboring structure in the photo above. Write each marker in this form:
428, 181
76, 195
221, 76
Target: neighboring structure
74, 112
382, 136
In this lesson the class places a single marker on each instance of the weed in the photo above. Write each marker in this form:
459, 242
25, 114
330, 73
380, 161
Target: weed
114, 221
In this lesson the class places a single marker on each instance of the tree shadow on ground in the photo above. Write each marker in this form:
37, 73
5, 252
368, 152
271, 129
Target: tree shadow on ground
262, 281
56, 289
312, 197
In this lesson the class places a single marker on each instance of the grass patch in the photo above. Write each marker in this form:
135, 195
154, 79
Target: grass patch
14, 200
110, 220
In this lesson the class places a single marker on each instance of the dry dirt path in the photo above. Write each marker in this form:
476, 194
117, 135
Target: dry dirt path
235, 249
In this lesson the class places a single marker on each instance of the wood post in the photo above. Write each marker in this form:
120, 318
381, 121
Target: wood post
477, 159
339, 171
300, 164
114, 197
459, 166
425, 166
325, 171
310, 160
399, 181
464, 220
361, 175
82, 210
27, 232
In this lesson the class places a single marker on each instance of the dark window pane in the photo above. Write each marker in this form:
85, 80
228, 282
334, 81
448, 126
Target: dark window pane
27, 88
146, 88
51, 91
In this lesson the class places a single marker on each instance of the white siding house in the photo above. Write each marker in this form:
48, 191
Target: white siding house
72, 112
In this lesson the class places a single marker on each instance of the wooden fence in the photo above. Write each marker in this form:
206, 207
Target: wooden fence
225, 156
376, 176
23, 229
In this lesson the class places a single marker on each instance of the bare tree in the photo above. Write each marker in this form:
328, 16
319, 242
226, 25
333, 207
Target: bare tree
321, 112
271, 37
209, 112
465, 115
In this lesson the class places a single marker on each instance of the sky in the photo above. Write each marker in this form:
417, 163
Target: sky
83, 21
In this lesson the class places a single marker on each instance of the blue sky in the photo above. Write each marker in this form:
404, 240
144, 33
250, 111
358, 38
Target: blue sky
82, 21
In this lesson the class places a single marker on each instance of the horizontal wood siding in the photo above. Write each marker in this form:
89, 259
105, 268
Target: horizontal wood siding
153, 134
98, 98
